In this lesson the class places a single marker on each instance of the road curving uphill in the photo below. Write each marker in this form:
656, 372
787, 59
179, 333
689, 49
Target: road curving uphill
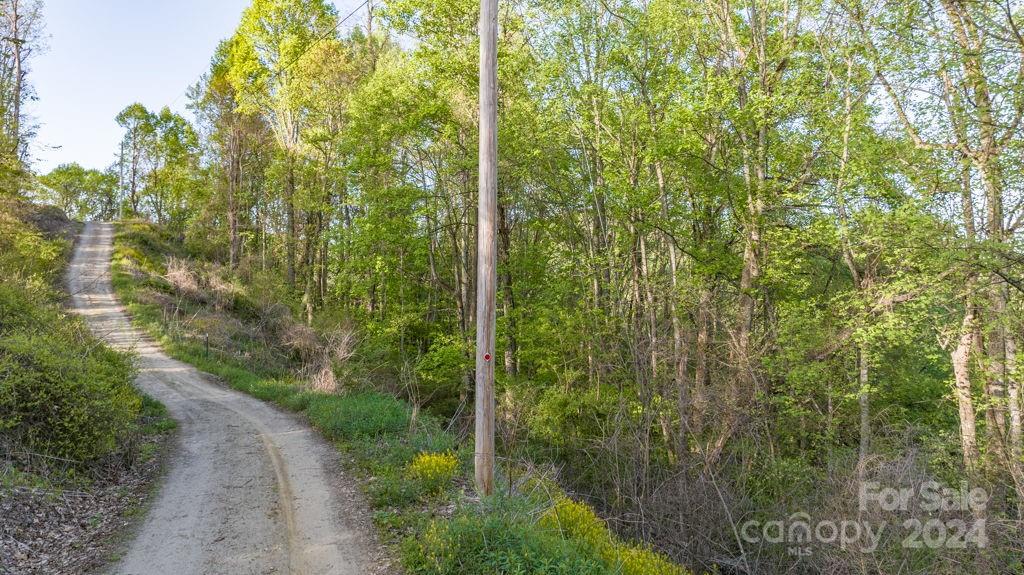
250, 489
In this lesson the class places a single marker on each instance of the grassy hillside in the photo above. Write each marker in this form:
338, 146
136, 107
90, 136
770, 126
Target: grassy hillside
78, 442
63, 393
416, 472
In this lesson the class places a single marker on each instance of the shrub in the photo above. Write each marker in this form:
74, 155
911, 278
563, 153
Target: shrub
440, 372
633, 560
63, 395
433, 471
578, 522
431, 439
364, 414
26, 253
495, 544
151, 240
62, 392
19, 309
570, 419
386, 455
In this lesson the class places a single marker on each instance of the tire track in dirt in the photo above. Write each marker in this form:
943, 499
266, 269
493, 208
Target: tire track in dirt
250, 489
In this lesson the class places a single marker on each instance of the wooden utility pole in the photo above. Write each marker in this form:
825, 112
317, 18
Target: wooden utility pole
487, 273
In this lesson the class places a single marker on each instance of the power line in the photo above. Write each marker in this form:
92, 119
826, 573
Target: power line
294, 61
321, 39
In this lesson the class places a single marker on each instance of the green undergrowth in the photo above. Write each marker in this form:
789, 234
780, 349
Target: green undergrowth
68, 407
417, 477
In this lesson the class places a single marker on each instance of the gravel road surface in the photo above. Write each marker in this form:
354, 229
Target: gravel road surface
250, 489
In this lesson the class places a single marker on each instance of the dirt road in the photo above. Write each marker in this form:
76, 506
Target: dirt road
250, 489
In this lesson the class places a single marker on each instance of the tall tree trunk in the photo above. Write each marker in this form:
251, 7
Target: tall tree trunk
120, 181
742, 383
995, 352
680, 351
134, 197
234, 185
1014, 399
652, 354
508, 303
289, 205
964, 397
324, 275
1013, 396
864, 401
702, 361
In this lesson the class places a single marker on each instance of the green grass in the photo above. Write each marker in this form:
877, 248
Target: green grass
154, 419
358, 415
13, 477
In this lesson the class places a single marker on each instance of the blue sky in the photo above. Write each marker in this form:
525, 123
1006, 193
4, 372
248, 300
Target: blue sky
105, 54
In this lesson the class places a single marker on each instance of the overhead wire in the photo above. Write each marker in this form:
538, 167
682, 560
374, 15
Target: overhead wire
321, 38
309, 47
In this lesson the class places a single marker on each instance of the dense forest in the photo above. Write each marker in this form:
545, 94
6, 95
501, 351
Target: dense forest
753, 254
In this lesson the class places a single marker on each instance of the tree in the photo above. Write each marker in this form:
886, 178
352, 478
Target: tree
750, 252
21, 38
140, 132
233, 136
83, 194
173, 167
972, 77
272, 37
